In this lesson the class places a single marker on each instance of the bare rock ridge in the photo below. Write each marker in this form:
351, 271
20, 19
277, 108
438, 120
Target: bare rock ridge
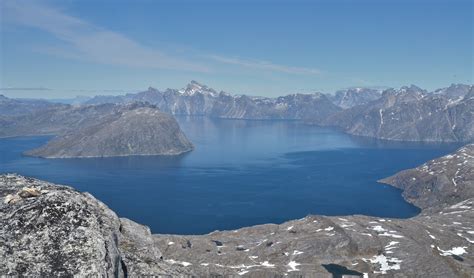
52, 230
438, 183
131, 130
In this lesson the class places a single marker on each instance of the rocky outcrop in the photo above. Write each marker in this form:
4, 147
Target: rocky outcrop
55, 232
48, 230
455, 90
351, 97
52, 230
132, 130
410, 114
438, 183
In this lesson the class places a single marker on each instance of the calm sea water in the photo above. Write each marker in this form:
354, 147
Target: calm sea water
242, 173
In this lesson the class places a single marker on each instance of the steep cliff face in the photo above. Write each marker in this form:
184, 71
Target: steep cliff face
351, 97
131, 130
410, 114
51, 230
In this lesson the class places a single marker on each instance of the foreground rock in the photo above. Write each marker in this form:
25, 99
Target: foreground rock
131, 130
51, 230
58, 231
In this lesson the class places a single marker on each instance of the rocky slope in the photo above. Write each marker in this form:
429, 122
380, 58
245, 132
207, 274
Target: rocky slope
198, 99
100, 130
131, 130
438, 183
455, 90
411, 114
51, 230
56, 120
16, 107
351, 97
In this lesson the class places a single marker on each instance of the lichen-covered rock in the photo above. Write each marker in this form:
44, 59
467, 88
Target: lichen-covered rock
56, 233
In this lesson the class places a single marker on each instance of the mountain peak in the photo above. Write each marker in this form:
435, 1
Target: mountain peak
196, 87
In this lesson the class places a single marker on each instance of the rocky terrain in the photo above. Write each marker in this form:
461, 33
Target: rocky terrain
351, 97
131, 130
51, 230
411, 114
100, 130
55, 120
16, 107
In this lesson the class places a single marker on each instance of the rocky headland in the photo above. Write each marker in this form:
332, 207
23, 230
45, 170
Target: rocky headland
131, 130
100, 130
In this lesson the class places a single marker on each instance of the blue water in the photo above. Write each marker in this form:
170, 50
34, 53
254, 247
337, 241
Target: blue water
242, 173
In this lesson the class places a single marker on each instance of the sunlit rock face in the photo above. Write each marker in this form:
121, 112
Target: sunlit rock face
53, 230
351, 97
411, 114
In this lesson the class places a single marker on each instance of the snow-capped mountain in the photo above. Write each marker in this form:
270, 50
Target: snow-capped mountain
198, 99
411, 114
351, 97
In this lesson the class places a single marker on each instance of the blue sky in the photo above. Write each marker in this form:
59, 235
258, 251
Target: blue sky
261, 47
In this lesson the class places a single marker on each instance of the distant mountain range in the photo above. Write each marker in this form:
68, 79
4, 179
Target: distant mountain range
412, 114
351, 97
406, 114
198, 99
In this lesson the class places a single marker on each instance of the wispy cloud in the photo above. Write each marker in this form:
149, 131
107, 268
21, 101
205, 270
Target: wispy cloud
81, 40
264, 65
86, 41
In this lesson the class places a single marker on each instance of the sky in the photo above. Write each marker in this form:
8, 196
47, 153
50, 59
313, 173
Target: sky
59, 49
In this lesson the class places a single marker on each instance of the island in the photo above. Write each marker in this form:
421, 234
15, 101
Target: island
126, 131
